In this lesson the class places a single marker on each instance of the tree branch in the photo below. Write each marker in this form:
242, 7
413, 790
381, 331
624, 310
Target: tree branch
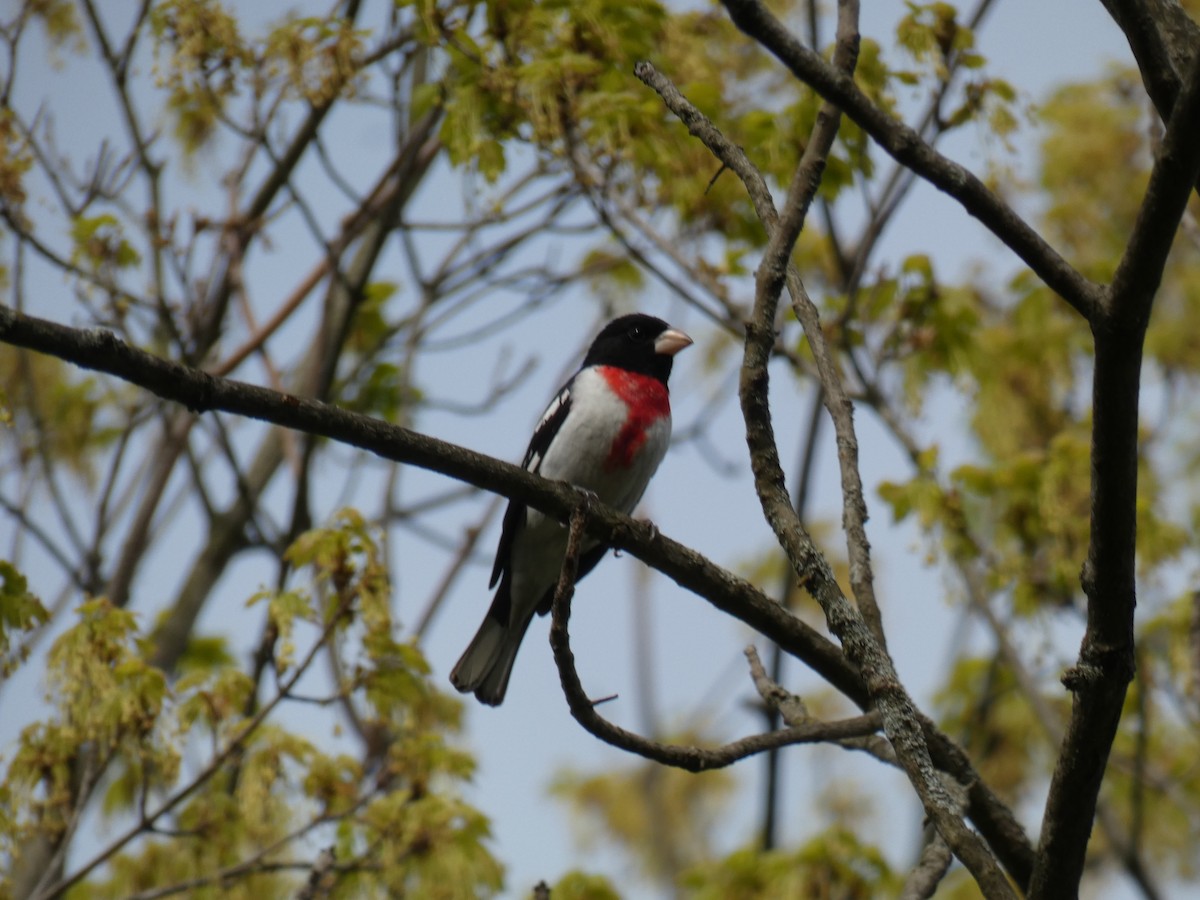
922, 882
906, 147
1163, 40
693, 759
1100, 679
101, 351
818, 578
201, 392
807, 177
1175, 172
901, 721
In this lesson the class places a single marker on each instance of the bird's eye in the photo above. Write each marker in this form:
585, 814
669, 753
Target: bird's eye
638, 333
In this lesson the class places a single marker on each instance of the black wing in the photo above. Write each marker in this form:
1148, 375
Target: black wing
543, 434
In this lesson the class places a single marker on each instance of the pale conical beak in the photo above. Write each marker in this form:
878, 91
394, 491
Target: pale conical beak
671, 342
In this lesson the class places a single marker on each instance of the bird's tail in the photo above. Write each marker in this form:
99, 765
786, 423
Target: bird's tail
487, 663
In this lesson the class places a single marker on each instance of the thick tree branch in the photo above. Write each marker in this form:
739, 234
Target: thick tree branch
1106, 657
202, 392
1175, 171
1164, 41
1149, 50
1179, 30
907, 148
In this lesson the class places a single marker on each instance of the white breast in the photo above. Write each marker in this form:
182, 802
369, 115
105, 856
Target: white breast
581, 449
578, 455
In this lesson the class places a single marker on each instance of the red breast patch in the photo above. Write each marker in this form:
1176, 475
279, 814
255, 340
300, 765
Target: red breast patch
647, 401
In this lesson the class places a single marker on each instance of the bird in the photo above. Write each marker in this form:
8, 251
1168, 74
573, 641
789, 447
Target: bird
606, 432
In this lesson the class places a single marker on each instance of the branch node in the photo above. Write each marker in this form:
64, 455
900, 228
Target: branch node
1087, 577
1082, 676
790, 706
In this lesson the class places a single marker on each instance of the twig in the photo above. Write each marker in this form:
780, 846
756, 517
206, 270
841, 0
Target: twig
803, 490
788, 705
232, 747
318, 884
253, 864
925, 877
1193, 644
462, 556
693, 759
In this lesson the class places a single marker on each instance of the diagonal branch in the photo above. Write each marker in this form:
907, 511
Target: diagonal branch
1175, 170
906, 147
200, 391
1163, 40
901, 720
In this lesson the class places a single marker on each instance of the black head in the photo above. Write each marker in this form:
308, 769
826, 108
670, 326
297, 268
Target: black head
638, 343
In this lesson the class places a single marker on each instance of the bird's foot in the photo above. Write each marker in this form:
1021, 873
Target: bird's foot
650, 527
587, 499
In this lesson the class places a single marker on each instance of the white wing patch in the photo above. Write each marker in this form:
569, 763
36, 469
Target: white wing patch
543, 432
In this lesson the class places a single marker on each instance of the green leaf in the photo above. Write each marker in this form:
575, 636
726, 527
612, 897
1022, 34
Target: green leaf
20, 611
100, 240
581, 886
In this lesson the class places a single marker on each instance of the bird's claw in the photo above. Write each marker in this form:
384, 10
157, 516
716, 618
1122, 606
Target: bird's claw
587, 498
650, 527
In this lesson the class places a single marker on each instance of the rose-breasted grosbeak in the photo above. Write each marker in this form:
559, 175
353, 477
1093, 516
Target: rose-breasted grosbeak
606, 432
